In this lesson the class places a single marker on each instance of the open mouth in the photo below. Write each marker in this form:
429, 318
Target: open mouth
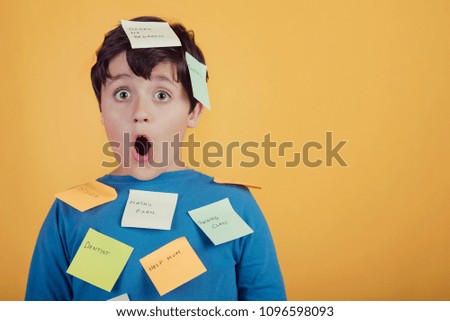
142, 145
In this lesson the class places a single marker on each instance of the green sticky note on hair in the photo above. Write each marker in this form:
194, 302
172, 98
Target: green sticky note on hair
99, 260
197, 73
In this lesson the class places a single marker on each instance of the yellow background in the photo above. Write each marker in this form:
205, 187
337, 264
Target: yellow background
375, 73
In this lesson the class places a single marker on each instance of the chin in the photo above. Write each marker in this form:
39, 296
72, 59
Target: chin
146, 173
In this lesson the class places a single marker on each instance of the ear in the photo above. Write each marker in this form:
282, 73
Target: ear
102, 120
194, 115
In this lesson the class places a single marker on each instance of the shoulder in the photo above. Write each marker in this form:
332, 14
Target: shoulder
210, 190
221, 186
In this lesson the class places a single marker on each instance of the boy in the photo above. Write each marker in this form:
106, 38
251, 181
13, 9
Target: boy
146, 98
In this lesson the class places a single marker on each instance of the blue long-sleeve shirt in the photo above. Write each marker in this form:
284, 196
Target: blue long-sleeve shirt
242, 269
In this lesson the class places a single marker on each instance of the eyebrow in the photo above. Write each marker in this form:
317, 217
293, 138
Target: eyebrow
114, 78
162, 78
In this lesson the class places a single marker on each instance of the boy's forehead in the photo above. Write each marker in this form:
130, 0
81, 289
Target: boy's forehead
119, 68
164, 71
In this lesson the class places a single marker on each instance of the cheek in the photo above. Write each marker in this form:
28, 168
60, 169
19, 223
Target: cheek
112, 128
172, 127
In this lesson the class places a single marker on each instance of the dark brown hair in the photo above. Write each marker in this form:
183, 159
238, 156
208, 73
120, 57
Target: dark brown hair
142, 61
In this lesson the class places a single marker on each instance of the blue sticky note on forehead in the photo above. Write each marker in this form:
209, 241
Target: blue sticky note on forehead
197, 73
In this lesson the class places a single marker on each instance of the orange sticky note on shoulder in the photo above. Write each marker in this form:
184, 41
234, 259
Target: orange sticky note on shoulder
172, 265
87, 196
226, 181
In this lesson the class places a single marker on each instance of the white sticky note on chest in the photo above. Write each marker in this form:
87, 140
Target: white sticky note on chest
220, 222
153, 210
143, 34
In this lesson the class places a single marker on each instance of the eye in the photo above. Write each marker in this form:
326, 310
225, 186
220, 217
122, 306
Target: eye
122, 94
162, 95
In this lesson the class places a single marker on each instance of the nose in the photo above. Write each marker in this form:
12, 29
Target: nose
141, 111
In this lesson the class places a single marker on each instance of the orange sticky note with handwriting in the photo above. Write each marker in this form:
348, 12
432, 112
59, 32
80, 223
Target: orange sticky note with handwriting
172, 265
226, 181
87, 196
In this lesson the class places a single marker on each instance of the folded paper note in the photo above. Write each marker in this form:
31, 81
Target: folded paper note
99, 260
226, 181
172, 265
87, 196
145, 34
197, 73
122, 297
220, 222
152, 210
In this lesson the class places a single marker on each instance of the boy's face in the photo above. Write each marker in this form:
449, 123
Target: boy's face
143, 117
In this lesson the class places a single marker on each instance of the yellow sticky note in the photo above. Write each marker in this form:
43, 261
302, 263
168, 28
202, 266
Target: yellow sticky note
226, 181
87, 196
172, 265
149, 34
100, 260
